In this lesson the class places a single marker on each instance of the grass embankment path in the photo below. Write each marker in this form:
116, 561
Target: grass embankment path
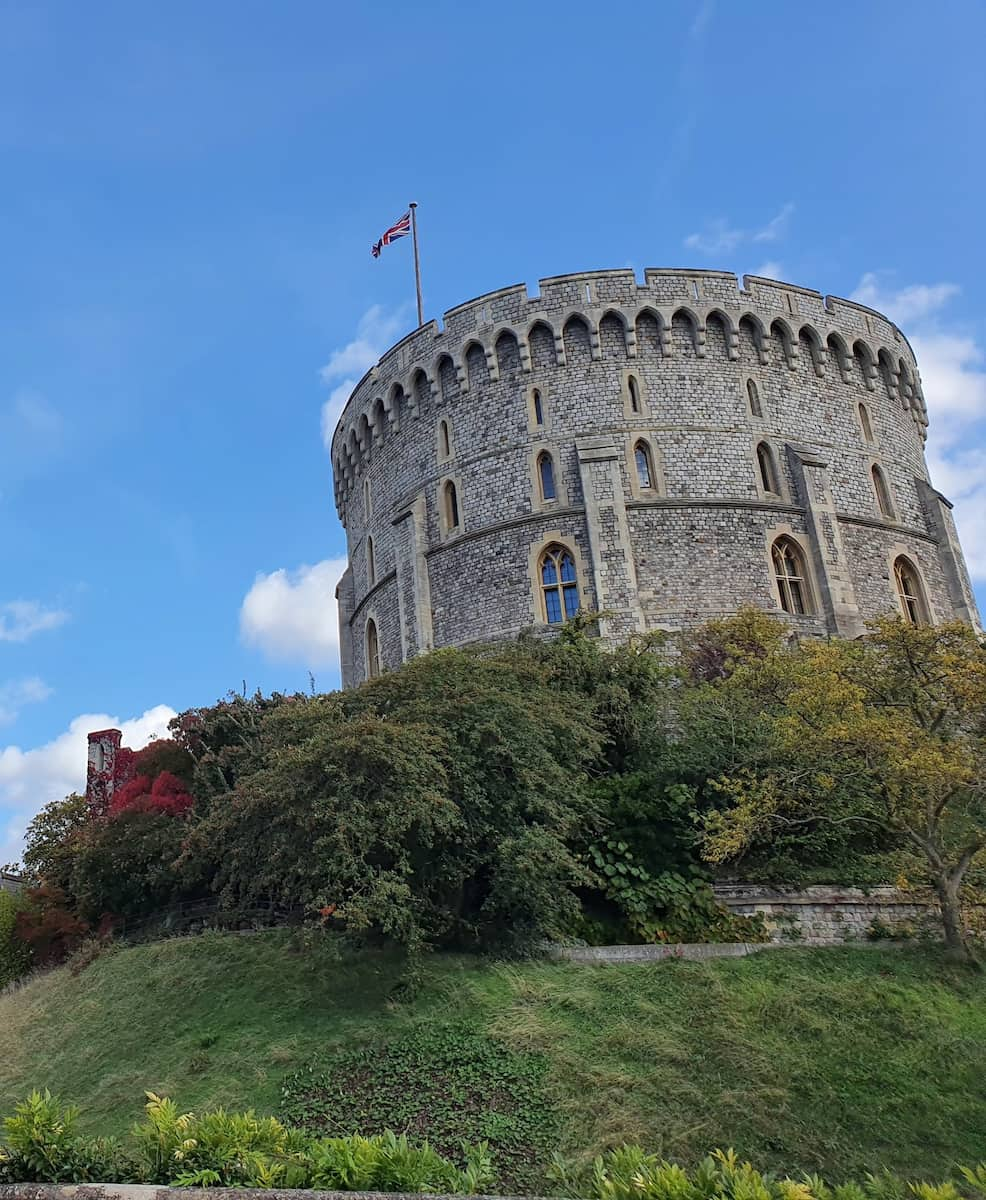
838, 1060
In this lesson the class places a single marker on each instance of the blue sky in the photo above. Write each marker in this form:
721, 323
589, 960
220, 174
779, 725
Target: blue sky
189, 193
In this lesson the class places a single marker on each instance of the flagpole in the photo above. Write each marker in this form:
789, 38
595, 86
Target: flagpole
417, 263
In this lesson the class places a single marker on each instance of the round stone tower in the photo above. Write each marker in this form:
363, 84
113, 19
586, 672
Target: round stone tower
660, 453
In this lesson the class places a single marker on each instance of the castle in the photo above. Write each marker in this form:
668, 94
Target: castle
660, 453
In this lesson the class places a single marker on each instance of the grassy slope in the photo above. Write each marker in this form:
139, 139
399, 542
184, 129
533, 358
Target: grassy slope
840, 1060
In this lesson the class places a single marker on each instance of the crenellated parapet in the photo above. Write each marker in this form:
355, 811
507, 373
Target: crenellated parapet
791, 327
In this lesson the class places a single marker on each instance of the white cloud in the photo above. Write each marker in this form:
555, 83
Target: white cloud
376, 332
776, 227
719, 237
29, 779
22, 619
906, 305
18, 692
953, 378
771, 269
292, 616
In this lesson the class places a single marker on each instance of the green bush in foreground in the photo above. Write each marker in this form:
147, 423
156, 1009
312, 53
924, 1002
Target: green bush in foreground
220, 1149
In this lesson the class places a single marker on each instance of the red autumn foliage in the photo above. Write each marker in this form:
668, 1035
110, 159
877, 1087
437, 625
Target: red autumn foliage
48, 926
166, 794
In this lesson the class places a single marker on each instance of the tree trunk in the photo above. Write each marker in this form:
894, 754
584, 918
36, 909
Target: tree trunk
948, 885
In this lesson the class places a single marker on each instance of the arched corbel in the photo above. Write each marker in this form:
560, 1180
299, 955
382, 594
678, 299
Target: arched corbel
595, 343
492, 366
560, 357
699, 332
524, 349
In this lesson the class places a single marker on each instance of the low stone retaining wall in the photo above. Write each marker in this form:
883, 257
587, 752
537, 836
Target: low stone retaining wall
825, 916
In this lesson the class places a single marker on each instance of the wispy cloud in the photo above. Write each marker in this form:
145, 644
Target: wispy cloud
771, 269
376, 331
953, 377
291, 615
721, 237
22, 619
776, 227
15, 694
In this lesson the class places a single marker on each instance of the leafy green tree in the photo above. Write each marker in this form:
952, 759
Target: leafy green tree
886, 733
435, 805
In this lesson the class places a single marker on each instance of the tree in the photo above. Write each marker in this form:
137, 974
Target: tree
886, 733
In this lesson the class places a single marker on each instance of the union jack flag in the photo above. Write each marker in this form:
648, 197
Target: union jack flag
400, 229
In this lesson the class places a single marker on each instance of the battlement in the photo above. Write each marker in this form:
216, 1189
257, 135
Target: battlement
788, 322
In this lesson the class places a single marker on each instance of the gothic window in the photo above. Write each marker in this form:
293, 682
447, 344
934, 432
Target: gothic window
444, 440
864, 423
910, 593
98, 758
768, 470
546, 476
791, 576
645, 468
559, 585
538, 408
371, 563
634, 389
754, 397
372, 650
451, 500
882, 493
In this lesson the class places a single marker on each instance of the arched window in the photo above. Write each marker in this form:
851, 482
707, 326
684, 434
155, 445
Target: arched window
910, 593
98, 757
634, 389
791, 576
882, 493
864, 423
538, 408
451, 506
559, 585
645, 468
444, 440
768, 469
371, 563
546, 475
372, 650
754, 397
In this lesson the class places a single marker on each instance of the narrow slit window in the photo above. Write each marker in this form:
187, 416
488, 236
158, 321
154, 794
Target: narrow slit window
864, 422
910, 593
634, 389
790, 576
546, 476
451, 506
444, 440
882, 491
753, 393
372, 650
371, 562
768, 469
645, 469
559, 585
538, 408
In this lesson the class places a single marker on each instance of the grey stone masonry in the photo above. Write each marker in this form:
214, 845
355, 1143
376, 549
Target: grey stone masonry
829, 915
665, 441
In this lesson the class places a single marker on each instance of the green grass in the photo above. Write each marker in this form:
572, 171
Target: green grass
837, 1060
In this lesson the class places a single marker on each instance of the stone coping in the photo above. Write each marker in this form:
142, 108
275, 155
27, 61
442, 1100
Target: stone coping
152, 1191
697, 951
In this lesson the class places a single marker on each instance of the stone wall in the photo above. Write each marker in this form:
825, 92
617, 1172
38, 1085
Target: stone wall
697, 370
828, 915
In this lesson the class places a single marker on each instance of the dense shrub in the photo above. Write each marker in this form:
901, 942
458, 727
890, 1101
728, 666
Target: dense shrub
220, 1149
15, 954
629, 1173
